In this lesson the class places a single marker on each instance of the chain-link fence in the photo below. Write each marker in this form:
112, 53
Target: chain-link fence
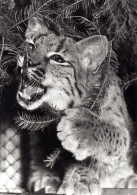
10, 164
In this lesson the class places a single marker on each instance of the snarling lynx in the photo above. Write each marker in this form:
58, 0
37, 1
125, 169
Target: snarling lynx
79, 78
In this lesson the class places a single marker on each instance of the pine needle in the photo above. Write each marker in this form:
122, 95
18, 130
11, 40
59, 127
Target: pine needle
51, 160
129, 80
35, 9
2, 48
33, 122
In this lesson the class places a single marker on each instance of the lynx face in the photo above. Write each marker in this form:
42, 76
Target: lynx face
54, 68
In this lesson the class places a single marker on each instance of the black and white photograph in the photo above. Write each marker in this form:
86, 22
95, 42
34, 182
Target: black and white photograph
68, 97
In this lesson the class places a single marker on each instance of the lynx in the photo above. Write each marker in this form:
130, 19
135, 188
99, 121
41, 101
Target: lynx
78, 78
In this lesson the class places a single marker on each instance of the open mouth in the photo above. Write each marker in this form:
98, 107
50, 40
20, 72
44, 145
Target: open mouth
30, 91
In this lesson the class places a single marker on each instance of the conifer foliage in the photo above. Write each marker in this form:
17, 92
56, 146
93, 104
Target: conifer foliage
75, 18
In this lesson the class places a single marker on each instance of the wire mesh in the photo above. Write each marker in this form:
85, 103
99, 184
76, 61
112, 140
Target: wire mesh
10, 164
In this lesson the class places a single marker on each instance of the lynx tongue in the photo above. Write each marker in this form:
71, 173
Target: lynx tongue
28, 92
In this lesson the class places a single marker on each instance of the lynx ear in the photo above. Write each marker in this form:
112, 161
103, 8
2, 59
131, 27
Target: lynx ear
36, 25
93, 51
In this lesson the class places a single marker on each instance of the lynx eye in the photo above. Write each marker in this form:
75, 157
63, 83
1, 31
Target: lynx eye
30, 46
58, 58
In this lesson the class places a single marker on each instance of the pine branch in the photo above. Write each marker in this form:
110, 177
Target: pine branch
129, 80
36, 8
68, 10
5, 79
2, 48
51, 160
91, 26
34, 122
67, 27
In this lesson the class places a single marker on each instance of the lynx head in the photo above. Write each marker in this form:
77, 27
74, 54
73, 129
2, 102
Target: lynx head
55, 70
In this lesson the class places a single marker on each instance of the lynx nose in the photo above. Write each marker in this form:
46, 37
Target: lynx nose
29, 63
32, 64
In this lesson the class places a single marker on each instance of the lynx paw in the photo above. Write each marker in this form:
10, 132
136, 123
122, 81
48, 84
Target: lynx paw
129, 182
80, 188
77, 189
49, 183
73, 134
132, 181
80, 181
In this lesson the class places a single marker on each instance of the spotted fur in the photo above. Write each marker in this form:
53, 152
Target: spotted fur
79, 78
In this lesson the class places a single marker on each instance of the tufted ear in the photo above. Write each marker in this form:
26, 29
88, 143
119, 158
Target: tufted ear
93, 51
36, 25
